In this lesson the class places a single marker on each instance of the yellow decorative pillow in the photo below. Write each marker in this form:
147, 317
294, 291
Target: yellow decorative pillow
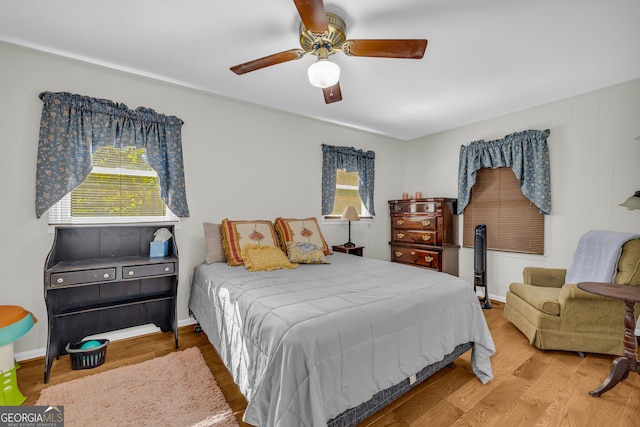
236, 234
304, 230
259, 258
305, 253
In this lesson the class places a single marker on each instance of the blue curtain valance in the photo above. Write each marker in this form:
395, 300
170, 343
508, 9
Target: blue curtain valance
352, 160
526, 153
73, 127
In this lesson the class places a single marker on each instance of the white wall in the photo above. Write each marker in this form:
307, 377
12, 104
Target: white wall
247, 162
241, 162
595, 165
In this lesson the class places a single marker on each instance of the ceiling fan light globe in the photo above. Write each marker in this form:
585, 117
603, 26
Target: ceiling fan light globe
324, 73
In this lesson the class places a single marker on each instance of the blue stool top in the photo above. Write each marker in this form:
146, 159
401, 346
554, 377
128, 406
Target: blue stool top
15, 321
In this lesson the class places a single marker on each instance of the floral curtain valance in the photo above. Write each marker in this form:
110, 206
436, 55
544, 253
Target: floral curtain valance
73, 127
352, 160
526, 153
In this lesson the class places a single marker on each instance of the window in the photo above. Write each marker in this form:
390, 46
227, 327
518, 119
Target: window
359, 169
72, 129
514, 223
347, 193
121, 187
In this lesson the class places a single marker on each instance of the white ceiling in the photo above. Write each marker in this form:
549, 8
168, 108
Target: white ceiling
484, 58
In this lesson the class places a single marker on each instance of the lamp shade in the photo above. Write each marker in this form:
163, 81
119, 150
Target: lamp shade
350, 214
632, 202
323, 73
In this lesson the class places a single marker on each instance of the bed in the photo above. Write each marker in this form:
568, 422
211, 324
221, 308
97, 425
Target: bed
329, 344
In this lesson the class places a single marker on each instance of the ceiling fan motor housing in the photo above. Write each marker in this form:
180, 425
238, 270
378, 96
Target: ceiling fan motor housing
332, 39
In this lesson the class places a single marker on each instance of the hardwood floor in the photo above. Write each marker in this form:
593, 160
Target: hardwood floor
531, 387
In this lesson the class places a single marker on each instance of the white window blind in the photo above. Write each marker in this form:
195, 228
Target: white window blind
121, 188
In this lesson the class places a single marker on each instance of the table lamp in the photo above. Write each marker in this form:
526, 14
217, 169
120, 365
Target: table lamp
632, 202
350, 214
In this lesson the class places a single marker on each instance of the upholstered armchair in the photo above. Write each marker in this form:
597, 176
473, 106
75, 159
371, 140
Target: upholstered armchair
555, 315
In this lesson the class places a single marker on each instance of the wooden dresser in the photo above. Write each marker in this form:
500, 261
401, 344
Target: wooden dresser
424, 233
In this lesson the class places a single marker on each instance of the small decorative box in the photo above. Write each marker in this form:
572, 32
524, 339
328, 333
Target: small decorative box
158, 249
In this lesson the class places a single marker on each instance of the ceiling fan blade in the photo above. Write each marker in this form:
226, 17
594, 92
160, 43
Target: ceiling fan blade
313, 15
332, 93
411, 49
276, 58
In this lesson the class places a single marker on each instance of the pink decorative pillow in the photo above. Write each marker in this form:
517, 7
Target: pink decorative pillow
236, 234
213, 243
300, 230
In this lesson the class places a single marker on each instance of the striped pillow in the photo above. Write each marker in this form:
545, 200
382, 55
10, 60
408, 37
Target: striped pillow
300, 230
236, 234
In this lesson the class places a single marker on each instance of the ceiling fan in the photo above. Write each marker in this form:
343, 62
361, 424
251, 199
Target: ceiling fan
323, 34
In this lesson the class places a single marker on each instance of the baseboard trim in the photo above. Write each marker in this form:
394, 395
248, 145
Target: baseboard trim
112, 336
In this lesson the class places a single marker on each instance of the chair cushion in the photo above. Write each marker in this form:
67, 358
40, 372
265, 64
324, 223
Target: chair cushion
629, 264
543, 299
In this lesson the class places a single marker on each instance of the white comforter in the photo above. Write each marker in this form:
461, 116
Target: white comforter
306, 344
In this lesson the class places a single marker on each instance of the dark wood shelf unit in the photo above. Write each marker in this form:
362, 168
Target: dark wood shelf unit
99, 279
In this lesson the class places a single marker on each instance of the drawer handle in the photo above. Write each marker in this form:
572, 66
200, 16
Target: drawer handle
106, 275
131, 273
60, 280
426, 222
400, 222
413, 253
426, 237
166, 269
398, 254
428, 258
400, 235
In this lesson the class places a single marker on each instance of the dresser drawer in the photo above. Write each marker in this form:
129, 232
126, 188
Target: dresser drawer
135, 271
414, 236
413, 207
421, 257
416, 222
84, 276
428, 259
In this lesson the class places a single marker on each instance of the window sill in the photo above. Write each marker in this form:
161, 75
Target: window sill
160, 224
337, 220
